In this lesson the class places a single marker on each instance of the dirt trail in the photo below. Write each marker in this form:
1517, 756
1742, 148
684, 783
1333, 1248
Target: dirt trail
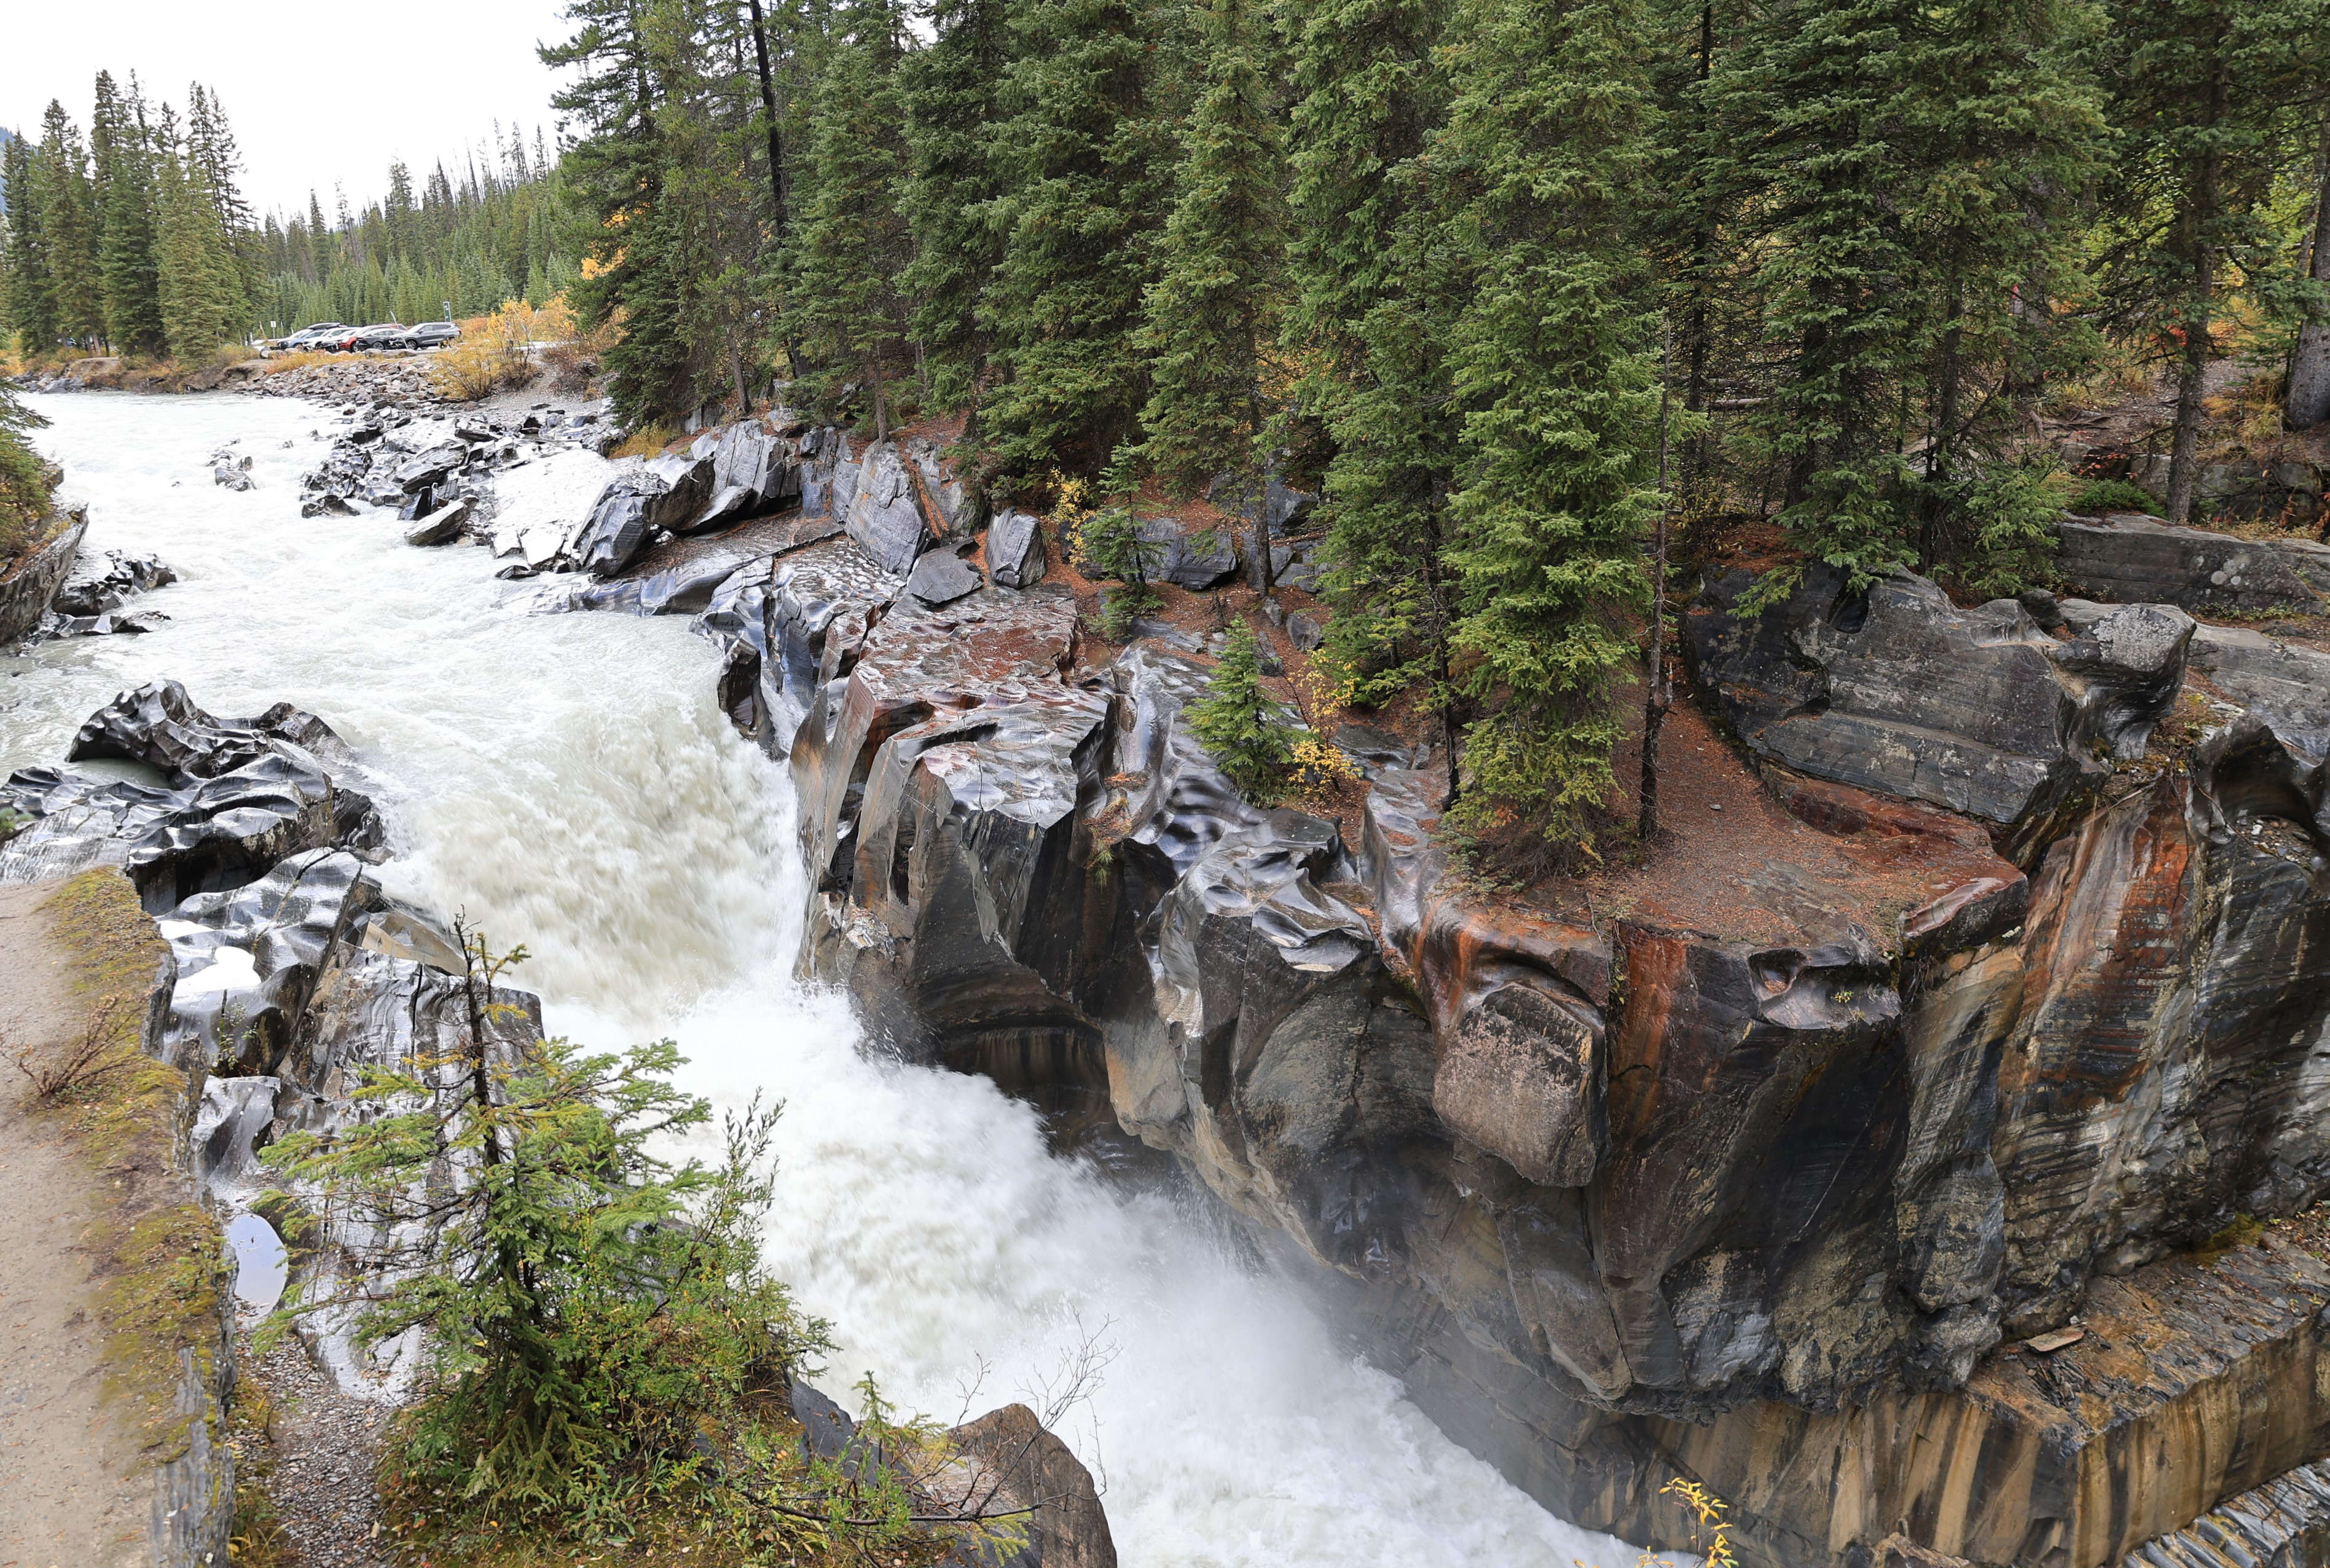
76, 1487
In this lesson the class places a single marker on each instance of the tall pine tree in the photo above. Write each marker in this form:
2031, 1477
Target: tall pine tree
2210, 101
850, 242
1086, 153
61, 187
1213, 311
1552, 354
1368, 304
128, 274
32, 305
952, 92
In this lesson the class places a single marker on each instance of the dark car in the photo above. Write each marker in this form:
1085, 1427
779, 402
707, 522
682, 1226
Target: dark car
431, 335
386, 335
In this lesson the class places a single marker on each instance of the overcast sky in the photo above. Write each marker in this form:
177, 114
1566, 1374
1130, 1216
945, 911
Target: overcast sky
315, 91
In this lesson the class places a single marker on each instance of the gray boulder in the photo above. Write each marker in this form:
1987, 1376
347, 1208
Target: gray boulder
2286, 684
1899, 691
1015, 549
1296, 564
687, 485
98, 584
441, 526
942, 577
948, 496
621, 525
242, 794
2129, 557
880, 510
1190, 558
423, 471
28, 591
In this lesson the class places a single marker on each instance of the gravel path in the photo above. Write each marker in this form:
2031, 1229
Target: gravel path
316, 1461
76, 1484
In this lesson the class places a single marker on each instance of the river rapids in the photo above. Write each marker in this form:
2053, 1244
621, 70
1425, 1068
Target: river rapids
567, 781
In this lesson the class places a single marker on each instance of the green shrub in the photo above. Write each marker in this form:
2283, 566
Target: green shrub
605, 1356
2008, 515
1242, 726
2099, 495
24, 479
1107, 543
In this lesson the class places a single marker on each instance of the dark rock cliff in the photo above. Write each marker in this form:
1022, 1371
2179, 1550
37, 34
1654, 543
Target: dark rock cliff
1621, 1197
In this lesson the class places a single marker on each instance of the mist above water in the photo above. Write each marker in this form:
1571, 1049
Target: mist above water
568, 782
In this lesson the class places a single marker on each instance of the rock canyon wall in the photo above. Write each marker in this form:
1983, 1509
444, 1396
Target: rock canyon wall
2011, 992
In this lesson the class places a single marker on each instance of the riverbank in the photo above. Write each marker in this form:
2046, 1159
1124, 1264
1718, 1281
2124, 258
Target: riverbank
110, 1276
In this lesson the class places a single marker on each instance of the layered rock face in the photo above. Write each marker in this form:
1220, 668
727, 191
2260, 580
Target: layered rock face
2029, 1004
32, 583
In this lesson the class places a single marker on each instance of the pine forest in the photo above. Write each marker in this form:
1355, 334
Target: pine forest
1515, 285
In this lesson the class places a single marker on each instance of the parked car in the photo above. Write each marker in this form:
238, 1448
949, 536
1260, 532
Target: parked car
431, 335
313, 335
386, 335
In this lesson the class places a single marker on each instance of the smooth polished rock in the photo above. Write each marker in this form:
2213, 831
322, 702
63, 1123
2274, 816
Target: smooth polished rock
32, 584
881, 510
1193, 558
441, 526
1015, 549
621, 526
2129, 557
1897, 691
105, 582
941, 577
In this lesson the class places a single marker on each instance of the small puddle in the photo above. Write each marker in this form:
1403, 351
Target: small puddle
260, 1264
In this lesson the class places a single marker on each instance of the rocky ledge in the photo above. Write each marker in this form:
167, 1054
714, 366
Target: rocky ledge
2028, 1000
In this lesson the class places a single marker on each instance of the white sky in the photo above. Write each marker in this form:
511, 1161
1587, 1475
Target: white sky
317, 91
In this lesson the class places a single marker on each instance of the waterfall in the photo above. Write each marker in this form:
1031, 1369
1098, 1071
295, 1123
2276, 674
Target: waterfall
568, 782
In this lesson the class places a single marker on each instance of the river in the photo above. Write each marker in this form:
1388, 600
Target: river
567, 782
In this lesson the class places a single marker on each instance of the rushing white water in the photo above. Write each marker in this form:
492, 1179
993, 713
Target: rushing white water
568, 782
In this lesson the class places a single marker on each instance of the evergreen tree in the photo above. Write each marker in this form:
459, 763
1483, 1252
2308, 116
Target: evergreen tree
2210, 100
2002, 131
32, 304
129, 277
1245, 728
952, 93
23, 478
1546, 138
1212, 311
1806, 114
1367, 320
201, 291
1086, 157
615, 175
851, 243
61, 188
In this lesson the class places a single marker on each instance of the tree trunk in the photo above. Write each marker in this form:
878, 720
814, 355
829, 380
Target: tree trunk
769, 108
2310, 371
480, 1079
1656, 695
2193, 364
2185, 442
1696, 329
